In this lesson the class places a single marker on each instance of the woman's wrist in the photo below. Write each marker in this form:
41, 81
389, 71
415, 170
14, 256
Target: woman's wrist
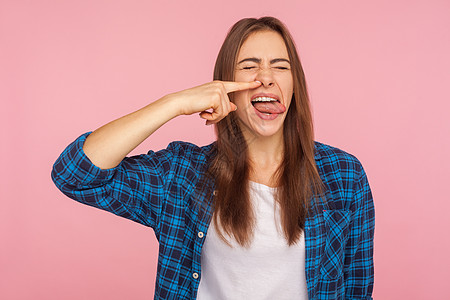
170, 105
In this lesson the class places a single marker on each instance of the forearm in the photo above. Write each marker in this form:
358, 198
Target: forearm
107, 146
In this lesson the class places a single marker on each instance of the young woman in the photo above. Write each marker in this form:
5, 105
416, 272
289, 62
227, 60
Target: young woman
262, 213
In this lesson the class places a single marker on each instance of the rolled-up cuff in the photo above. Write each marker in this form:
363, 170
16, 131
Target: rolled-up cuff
75, 168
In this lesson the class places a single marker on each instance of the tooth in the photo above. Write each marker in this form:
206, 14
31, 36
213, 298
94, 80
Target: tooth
264, 99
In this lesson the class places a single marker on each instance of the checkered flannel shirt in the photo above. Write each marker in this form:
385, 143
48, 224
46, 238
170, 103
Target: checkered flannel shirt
160, 190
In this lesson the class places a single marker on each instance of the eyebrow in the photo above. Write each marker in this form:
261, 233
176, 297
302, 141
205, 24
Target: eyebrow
258, 60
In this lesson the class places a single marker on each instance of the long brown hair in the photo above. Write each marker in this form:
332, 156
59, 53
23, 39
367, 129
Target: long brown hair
297, 177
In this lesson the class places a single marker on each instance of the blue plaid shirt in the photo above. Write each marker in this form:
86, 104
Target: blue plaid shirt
160, 190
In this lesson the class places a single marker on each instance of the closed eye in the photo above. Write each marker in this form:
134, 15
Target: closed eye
248, 68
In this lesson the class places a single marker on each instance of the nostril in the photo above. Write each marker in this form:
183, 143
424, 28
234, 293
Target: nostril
270, 84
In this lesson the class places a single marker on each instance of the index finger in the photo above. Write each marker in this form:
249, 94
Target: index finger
233, 86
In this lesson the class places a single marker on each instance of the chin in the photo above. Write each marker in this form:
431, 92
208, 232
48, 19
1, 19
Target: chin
267, 131
257, 128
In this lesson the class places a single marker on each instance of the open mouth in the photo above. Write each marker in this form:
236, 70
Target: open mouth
268, 105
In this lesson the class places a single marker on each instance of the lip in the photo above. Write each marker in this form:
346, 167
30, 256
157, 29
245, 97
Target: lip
265, 95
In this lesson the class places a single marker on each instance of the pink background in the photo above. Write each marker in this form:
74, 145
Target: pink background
379, 81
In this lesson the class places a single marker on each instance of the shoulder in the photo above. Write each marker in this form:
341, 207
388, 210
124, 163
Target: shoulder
187, 147
181, 155
188, 150
331, 159
342, 175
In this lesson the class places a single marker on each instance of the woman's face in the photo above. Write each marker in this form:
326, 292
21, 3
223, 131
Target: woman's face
263, 57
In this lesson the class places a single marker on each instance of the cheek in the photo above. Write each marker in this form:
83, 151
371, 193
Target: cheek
244, 76
288, 84
239, 98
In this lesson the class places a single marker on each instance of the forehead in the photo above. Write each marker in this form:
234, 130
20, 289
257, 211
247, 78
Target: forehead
264, 44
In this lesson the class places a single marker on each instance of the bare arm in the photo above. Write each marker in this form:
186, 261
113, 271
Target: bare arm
108, 145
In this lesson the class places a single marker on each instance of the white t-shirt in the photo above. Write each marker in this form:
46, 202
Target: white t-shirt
268, 269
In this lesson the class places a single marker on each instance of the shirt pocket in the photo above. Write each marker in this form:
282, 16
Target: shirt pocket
336, 229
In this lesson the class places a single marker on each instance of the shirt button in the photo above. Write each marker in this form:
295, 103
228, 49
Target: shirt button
200, 234
195, 275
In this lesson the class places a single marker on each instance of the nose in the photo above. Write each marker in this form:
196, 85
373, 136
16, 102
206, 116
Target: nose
266, 77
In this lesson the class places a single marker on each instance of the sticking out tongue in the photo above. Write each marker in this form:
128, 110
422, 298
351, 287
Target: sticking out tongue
272, 107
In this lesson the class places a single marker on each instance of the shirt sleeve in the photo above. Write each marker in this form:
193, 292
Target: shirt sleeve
134, 189
359, 269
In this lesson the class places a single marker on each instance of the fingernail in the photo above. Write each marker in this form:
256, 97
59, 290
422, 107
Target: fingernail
258, 81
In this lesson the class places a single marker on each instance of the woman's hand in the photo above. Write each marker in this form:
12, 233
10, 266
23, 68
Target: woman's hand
109, 144
210, 100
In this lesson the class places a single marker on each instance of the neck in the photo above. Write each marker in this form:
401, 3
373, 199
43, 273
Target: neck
265, 156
